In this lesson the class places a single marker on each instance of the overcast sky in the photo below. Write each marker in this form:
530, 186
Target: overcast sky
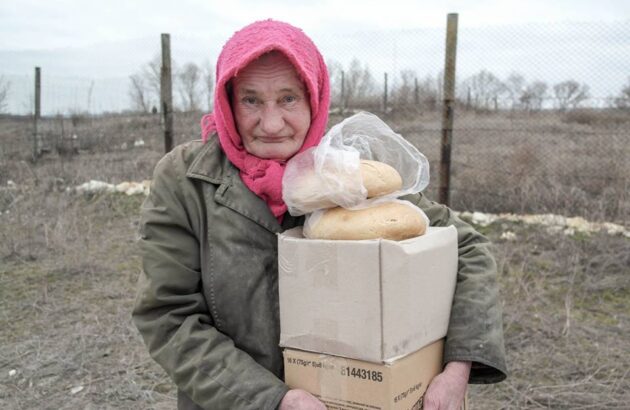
32, 24
550, 40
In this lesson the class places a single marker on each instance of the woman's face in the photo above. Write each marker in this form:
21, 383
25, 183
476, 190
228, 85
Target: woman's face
271, 107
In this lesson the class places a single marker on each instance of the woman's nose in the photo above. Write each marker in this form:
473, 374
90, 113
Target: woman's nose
272, 120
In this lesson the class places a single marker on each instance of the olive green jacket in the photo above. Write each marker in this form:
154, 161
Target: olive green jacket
207, 305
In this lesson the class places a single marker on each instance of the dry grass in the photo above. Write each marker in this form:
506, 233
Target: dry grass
574, 163
68, 269
566, 311
67, 278
532, 163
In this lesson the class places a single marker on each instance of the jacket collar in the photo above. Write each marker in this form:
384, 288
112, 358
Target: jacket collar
211, 165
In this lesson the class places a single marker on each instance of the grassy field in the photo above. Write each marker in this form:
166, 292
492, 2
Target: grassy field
69, 266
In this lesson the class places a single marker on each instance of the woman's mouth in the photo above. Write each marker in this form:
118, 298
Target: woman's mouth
272, 140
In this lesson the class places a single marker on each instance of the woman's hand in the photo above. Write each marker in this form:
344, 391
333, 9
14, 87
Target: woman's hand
297, 399
447, 389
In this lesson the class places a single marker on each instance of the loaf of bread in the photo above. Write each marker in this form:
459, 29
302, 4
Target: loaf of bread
379, 178
311, 191
395, 220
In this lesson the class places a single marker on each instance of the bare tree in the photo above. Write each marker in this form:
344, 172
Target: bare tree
188, 79
534, 95
335, 72
404, 93
569, 94
359, 84
208, 83
439, 86
5, 86
485, 89
623, 100
151, 72
429, 92
515, 87
138, 93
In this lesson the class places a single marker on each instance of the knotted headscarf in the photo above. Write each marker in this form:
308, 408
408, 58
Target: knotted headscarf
264, 176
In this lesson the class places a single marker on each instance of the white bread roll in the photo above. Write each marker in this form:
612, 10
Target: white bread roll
393, 220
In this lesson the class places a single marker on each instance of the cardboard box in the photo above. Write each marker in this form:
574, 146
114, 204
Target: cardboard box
344, 384
371, 300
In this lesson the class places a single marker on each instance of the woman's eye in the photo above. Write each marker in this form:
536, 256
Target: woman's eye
289, 99
249, 100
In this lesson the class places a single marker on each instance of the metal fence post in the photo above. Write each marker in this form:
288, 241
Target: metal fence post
166, 92
448, 108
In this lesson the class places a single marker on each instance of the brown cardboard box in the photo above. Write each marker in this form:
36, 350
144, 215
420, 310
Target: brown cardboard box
347, 384
372, 300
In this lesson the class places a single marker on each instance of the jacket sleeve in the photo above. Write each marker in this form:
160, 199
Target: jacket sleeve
171, 312
475, 331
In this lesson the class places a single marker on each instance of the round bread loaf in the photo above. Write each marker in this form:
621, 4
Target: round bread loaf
390, 220
379, 178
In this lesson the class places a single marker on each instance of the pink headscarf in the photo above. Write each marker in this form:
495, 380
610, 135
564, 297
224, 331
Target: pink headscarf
264, 176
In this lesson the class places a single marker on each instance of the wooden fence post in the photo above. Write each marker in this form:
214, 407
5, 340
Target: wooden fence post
38, 112
448, 108
166, 92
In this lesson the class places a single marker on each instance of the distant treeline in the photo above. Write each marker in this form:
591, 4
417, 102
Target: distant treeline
356, 87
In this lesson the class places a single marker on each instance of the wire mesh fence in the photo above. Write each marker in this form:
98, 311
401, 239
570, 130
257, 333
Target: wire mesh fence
542, 119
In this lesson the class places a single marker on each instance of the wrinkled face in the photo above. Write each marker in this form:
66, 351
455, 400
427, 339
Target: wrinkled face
271, 107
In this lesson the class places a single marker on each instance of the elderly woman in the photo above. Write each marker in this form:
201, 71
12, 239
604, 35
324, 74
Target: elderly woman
208, 302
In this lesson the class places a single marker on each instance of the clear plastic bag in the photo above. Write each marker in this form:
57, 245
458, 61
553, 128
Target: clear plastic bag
328, 175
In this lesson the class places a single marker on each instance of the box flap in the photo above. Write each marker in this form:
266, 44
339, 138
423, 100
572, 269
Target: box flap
418, 283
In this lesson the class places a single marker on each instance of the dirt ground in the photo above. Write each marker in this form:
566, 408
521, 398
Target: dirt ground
68, 341
69, 266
